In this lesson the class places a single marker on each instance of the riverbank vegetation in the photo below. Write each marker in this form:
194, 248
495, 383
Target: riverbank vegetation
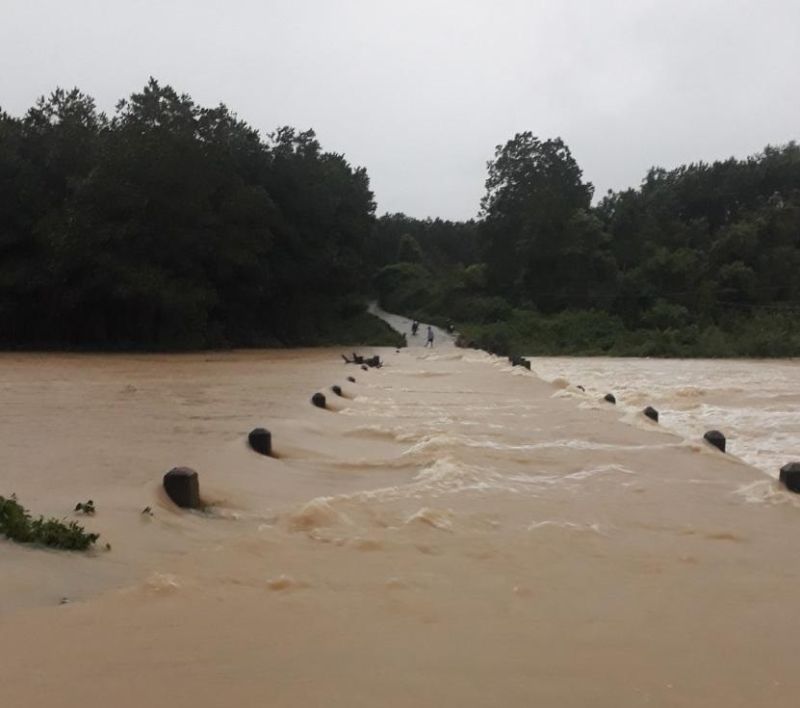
168, 225
701, 260
16, 524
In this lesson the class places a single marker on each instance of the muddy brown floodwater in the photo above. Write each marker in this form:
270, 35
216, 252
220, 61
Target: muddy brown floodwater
451, 532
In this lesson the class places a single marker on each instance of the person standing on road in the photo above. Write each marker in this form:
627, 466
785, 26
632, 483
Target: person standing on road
429, 340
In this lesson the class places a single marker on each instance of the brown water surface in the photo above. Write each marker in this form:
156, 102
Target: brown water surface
452, 532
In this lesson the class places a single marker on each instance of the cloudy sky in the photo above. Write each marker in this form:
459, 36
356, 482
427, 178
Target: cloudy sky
420, 91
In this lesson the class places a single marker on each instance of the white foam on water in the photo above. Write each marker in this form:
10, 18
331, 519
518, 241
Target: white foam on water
422, 373
443, 476
446, 475
376, 431
455, 356
767, 492
318, 513
545, 480
162, 583
600, 469
569, 392
568, 525
435, 518
756, 404
453, 441
285, 582
477, 356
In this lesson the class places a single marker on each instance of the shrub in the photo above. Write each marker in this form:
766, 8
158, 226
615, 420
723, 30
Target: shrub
404, 287
17, 525
665, 315
482, 310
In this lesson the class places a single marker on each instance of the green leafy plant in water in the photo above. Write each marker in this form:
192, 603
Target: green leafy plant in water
17, 525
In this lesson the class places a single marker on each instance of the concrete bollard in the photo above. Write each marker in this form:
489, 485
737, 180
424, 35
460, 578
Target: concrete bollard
716, 438
790, 476
337, 390
318, 399
610, 398
183, 486
260, 440
351, 379
651, 413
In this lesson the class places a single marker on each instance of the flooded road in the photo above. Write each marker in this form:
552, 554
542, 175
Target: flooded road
448, 532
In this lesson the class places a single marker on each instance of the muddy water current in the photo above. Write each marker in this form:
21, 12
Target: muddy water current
756, 404
450, 531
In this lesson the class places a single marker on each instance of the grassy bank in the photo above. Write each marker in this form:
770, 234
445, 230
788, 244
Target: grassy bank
592, 333
665, 330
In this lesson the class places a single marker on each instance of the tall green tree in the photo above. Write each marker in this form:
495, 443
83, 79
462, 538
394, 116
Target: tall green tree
533, 190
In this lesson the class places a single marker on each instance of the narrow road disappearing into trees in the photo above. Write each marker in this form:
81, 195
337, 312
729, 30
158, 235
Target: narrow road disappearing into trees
441, 339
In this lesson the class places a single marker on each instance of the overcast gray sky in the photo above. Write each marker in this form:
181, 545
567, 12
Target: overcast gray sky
420, 91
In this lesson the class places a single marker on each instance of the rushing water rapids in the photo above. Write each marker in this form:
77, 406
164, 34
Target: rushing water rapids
755, 403
450, 532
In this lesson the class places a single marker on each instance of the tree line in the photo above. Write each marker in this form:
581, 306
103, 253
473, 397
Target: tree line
170, 225
699, 260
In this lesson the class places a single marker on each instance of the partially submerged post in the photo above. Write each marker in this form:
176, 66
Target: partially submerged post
318, 399
351, 379
260, 440
716, 438
337, 390
651, 413
610, 398
790, 476
183, 486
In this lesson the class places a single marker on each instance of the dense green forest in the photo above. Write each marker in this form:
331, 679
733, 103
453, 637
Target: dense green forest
169, 225
702, 260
